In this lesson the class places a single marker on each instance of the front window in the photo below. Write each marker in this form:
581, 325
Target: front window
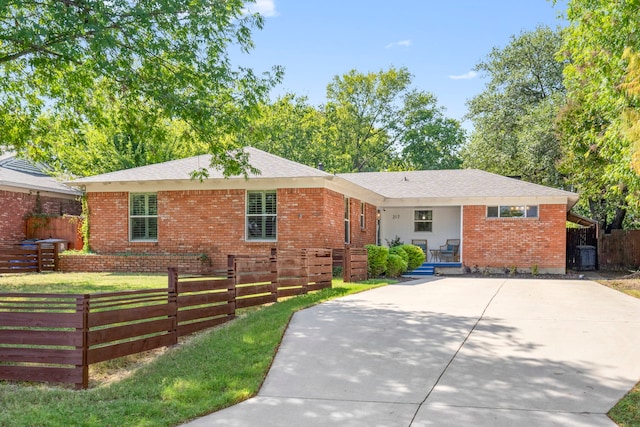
423, 221
261, 215
362, 219
143, 216
512, 211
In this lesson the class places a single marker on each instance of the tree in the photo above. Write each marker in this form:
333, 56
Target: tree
170, 55
514, 116
373, 118
291, 128
597, 150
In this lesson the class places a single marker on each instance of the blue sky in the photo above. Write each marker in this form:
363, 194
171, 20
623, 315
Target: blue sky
439, 42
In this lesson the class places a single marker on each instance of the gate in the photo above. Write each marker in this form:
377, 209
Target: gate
577, 237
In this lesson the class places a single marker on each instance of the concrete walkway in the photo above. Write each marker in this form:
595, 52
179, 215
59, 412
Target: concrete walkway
452, 352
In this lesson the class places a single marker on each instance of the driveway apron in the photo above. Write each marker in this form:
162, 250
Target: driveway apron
452, 352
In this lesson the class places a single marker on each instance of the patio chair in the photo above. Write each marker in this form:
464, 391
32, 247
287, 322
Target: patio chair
449, 251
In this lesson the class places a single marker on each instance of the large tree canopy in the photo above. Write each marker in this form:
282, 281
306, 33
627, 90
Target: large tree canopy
513, 117
371, 122
373, 118
597, 148
168, 55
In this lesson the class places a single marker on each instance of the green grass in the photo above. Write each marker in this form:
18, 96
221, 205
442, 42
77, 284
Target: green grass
626, 413
78, 283
210, 371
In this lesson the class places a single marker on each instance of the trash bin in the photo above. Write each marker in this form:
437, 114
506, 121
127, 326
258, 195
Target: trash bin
586, 257
48, 243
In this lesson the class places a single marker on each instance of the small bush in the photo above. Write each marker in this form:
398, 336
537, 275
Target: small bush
399, 250
395, 265
377, 259
416, 256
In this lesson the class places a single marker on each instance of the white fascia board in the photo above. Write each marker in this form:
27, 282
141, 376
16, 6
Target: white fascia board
44, 191
207, 184
472, 201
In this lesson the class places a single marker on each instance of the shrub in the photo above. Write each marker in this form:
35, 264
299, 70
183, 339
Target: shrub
394, 242
399, 250
416, 256
377, 259
395, 265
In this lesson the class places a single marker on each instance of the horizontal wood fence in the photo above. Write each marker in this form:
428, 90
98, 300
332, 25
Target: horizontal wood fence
355, 264
619, 250
28, 259
63, 227
55, 337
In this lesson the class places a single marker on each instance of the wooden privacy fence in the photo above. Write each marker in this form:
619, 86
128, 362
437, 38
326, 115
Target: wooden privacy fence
55, 337
63, 227
619, 250
28, 259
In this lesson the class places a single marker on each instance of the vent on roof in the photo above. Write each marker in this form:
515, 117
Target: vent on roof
320, 166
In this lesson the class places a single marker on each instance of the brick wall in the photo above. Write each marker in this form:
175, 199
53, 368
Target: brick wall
151, 263
515, 242
212, 223
16, 206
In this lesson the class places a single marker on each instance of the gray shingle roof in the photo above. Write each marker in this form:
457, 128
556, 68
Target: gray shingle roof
269, 165
460, 183
20, 173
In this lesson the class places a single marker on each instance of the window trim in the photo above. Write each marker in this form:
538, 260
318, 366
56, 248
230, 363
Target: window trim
422, 221
525, 209
131, 216
347, 220
262, 238
363, 222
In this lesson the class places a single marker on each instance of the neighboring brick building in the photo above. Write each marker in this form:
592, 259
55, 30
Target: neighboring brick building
25, 189
147, 213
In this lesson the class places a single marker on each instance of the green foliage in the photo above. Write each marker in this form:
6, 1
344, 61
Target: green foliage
377, 259
416, 256
597, 147
372, 117
396, 265
153, 62
399, 250
394, 242
513, 117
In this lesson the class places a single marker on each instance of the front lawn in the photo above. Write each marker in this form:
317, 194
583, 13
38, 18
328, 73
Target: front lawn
209, 371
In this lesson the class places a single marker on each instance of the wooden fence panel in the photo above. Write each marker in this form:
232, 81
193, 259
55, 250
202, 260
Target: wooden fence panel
293, 272
203, 302
619, 250
355, 264
29, 352
251, 275
320, 270
64, 227
44, 257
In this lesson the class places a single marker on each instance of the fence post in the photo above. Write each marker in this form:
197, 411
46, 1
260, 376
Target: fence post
305, 256
273, 264
172, 300
82, 306
231, 274
346, 265
39, 256
56, 259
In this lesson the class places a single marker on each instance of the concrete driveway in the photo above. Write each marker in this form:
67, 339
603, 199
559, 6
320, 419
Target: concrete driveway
452, 352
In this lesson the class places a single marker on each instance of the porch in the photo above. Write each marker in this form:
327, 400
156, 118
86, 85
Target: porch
431, 268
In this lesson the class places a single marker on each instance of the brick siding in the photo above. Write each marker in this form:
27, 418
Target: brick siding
211, 224
16, 206
515, 242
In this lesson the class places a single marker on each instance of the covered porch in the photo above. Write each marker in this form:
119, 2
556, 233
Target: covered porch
436, 229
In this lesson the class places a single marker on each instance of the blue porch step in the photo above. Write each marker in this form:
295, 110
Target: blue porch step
429, 268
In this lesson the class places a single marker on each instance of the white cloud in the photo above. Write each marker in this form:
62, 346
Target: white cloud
401, 43
467, 76
266, 8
